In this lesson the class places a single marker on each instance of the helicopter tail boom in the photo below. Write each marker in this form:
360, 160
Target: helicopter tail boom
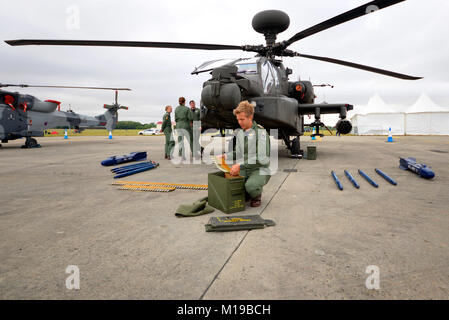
108, 119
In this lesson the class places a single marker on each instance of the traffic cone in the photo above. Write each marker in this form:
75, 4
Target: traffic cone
65, 135
390, 137
110, 135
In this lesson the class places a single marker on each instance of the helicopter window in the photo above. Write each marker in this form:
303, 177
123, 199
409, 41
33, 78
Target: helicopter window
268, 78
275, 75
8, 99
247, 68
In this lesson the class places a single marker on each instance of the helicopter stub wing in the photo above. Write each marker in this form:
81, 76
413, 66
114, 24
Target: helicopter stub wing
324, 108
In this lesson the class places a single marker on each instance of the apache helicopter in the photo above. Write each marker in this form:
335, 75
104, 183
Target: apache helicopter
279, 103
25, 116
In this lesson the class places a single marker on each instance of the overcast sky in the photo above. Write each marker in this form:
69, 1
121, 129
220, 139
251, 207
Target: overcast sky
410, 37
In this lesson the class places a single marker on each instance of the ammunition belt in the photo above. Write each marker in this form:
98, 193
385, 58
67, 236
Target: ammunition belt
163, 185
145, 188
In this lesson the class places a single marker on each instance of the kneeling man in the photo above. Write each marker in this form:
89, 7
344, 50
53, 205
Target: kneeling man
252, 153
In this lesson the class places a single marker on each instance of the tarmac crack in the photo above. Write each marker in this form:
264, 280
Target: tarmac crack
247, 232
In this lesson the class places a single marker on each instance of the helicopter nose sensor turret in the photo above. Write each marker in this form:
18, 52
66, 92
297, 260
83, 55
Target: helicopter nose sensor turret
270, 23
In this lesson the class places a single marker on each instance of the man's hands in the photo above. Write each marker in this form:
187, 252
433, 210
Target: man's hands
235, 170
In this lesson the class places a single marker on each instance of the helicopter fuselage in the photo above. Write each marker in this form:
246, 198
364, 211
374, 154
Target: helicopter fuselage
257, 80
279, 103
24, 116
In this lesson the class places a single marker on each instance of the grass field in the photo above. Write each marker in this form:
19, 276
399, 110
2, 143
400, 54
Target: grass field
126, 132
93, 132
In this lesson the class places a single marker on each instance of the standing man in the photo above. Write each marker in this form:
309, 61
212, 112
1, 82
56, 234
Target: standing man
167, 130
252, 153
183, 117
196, 132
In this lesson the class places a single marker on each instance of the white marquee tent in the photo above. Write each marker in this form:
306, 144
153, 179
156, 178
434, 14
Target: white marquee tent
425, 117
376, 118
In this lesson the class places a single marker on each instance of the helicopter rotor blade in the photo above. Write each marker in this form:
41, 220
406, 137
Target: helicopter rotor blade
2, 85
138, 44
342, 18
360, 66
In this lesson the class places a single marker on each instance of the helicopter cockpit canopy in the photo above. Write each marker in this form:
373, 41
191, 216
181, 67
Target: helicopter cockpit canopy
244, 65
270, 78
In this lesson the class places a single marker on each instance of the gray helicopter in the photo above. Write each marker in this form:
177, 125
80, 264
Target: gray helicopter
279, 103
25, 116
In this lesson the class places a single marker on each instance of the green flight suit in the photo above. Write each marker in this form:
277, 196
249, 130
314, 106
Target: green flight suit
183, 117
252, 152
195, 136
167, 130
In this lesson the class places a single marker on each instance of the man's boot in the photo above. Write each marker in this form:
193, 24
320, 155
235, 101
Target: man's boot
256, 201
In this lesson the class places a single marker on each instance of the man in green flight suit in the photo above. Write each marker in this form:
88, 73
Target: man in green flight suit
167, 130
196, 131
183, 117
252, 153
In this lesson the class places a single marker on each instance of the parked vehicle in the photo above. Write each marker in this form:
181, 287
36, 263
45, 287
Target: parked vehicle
149, 132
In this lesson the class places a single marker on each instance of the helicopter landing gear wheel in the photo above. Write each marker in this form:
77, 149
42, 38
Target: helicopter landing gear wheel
295, 149
31, 143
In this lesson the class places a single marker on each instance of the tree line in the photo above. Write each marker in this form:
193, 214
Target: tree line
134, 125
127, 125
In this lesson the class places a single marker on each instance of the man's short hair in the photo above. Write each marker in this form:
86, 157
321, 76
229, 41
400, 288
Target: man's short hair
166, 108
244, 107
182, 100
191, 101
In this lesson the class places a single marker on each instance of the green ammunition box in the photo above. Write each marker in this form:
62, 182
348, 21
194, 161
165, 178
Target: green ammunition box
311, 152
227, 195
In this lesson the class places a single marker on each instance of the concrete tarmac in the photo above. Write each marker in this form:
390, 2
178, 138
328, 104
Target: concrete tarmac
58, 208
